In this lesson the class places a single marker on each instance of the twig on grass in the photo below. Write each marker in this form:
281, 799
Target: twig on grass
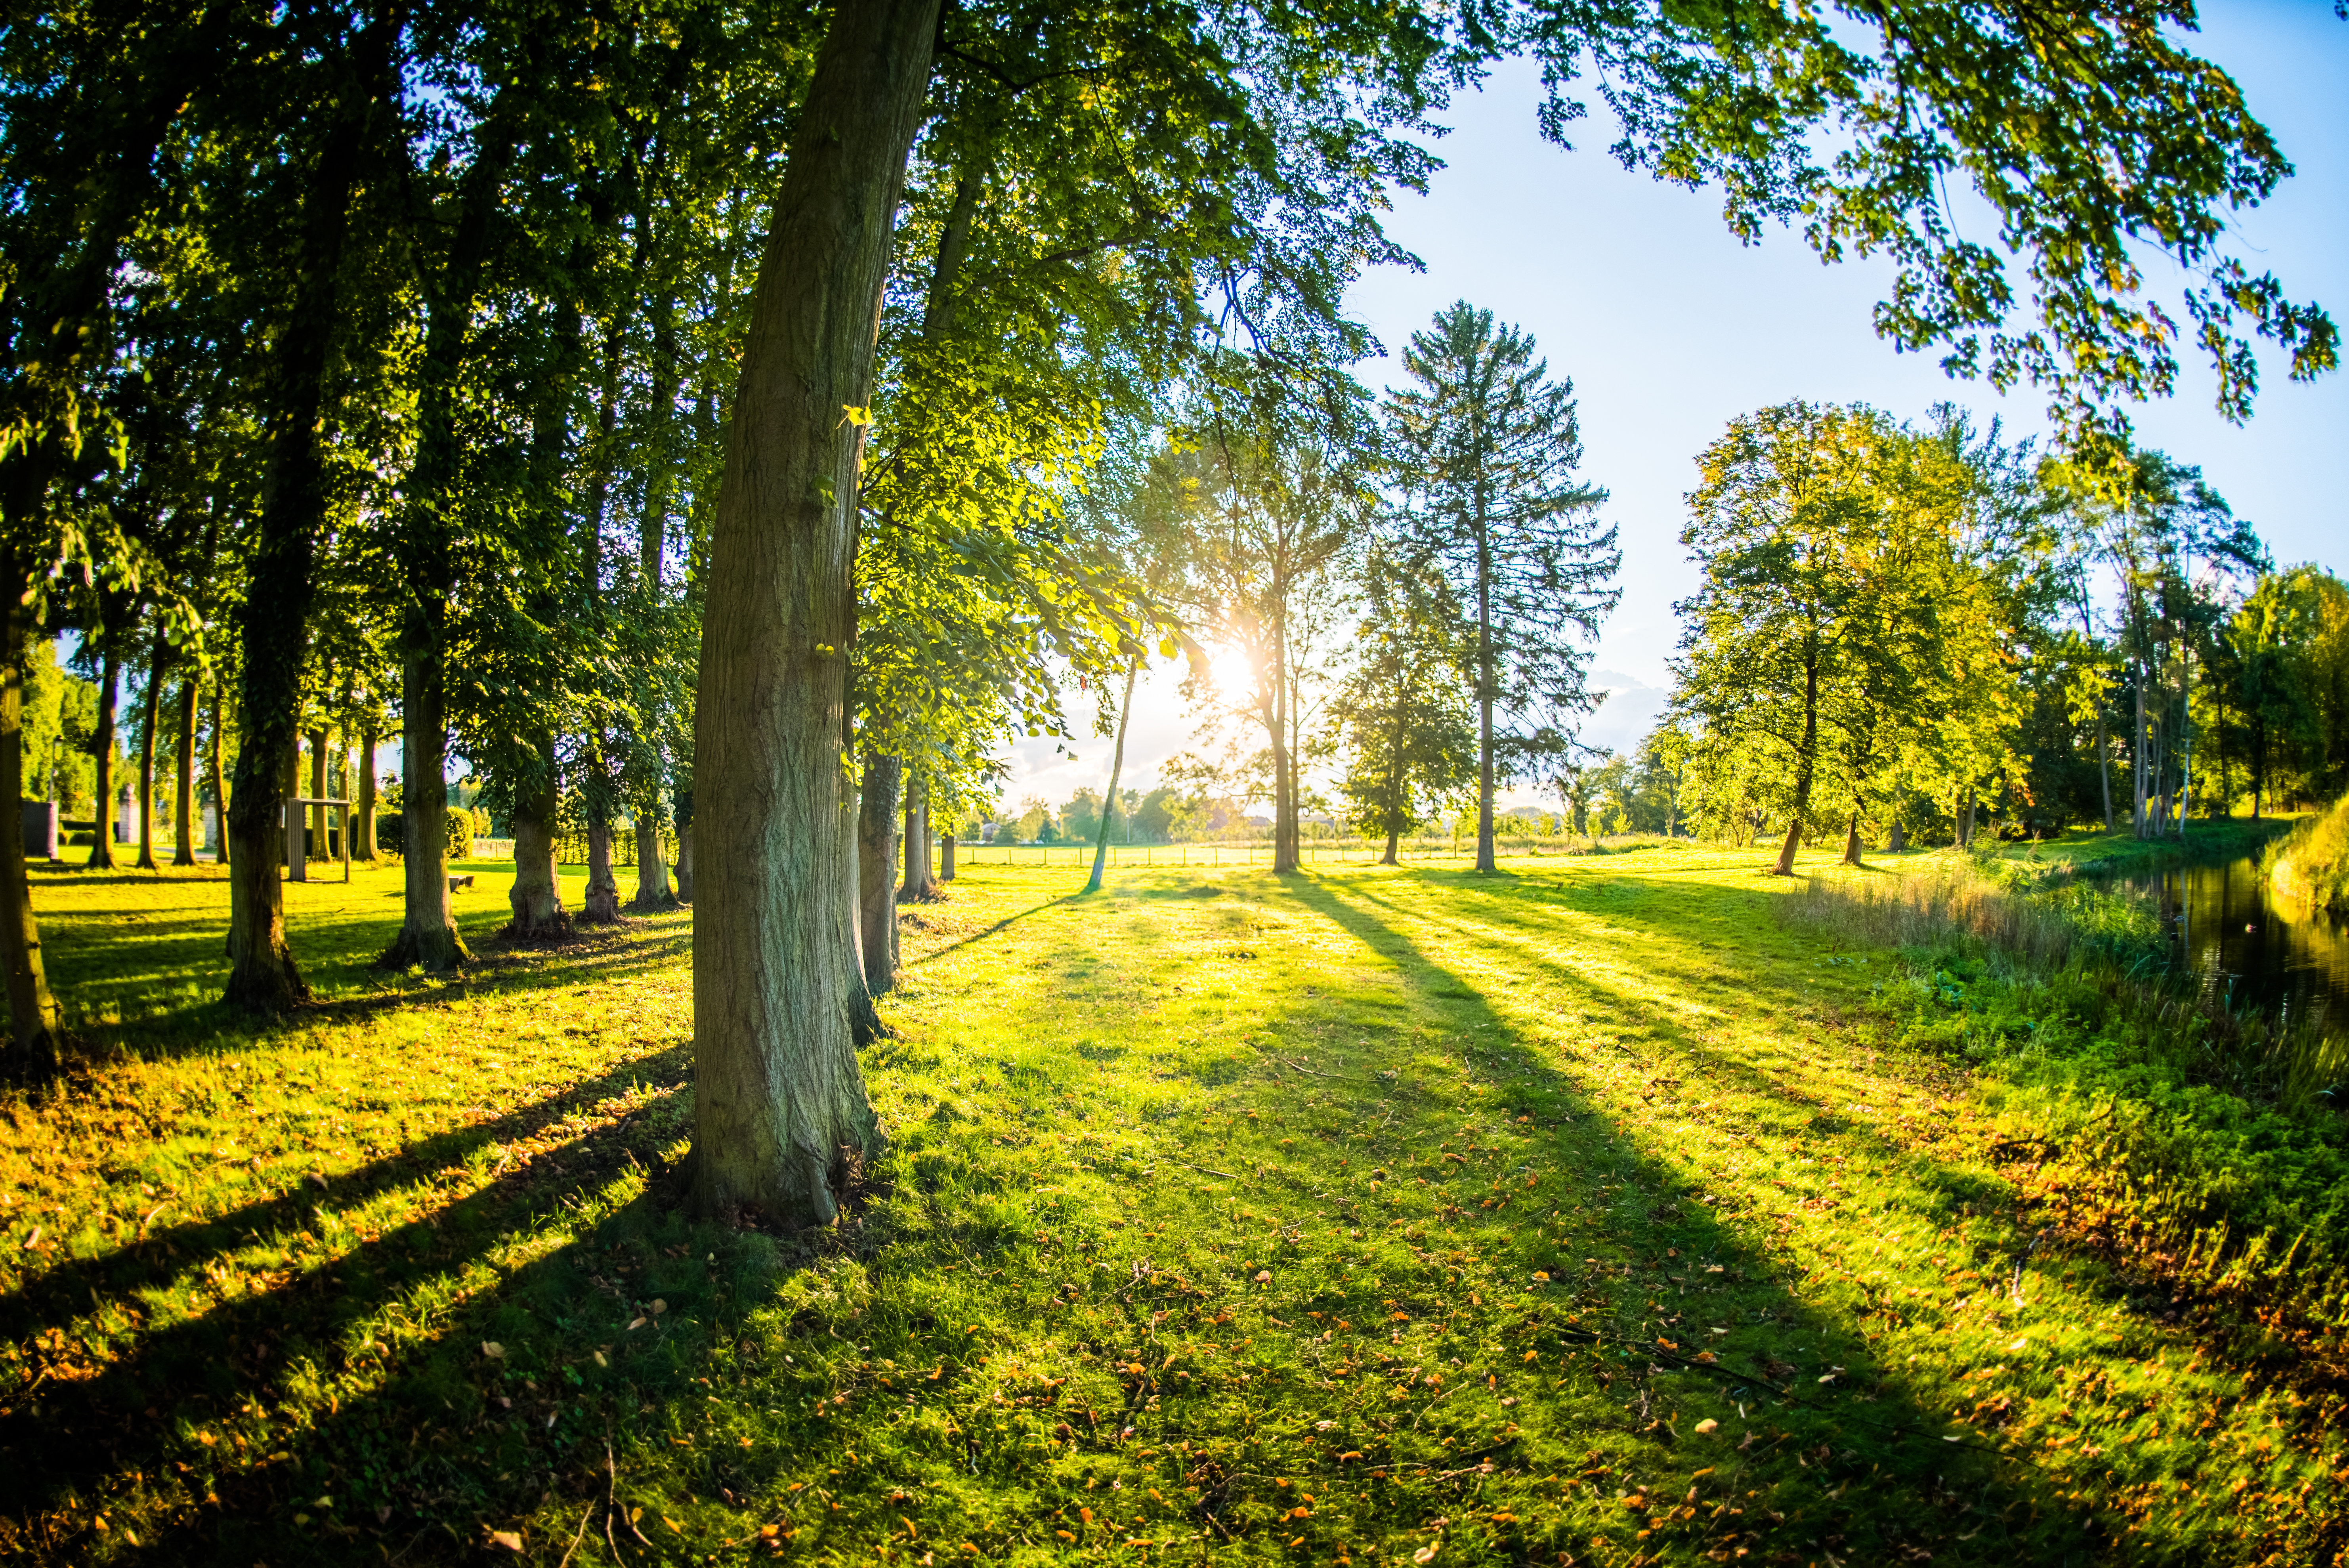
611, 1492
1200, 1169
1309, 1072
577, 1535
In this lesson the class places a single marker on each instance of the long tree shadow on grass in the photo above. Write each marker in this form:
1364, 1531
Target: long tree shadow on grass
570, 1380
161, 1254
162, 979
1884, 1478
94, 1436
1685, 1036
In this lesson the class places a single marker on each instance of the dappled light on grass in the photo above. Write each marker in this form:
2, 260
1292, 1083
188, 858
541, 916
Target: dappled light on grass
1581, 1211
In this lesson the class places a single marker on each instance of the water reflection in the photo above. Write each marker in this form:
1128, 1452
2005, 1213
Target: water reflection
2226, 925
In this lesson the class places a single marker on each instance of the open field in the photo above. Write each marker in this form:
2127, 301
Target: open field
1583, 1213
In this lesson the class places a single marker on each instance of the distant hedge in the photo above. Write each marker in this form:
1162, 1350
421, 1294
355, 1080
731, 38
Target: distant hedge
391, 833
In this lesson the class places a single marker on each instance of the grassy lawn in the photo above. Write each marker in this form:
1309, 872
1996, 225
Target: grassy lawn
1581, 1214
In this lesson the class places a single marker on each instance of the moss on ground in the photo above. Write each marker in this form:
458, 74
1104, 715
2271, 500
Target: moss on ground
1581, 1214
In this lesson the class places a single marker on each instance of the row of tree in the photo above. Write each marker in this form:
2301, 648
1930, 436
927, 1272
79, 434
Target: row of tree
1898, 629
729, 414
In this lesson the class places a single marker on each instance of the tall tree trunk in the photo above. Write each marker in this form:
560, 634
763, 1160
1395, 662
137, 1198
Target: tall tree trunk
876, 869
215, 759
1275, 712
2185, 742
684, 846
363, 829
2259, 764
780, 1104
947, 856
34, 1019
183, 777
910, 845
263, 974
1806, 761
1116, 769
428, 935
314, 841
2138, 763
536, 898
652, 863
101, 746
1851, 842
1393, 838
1485, 847
652, 538
150, 720
600, 904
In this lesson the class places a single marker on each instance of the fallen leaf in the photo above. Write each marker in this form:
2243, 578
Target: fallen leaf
510, 1540
494, 1350
1708, 1426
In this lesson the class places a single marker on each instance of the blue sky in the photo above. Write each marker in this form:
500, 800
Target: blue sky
1670, 328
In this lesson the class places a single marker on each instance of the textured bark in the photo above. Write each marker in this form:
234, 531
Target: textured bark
916, 883
1897, 839
150, 720
1851, 842
684, 846
877, 871
535, 898
780, 1104
183, 777
652, 865
33, 1022
101, 744
280, 583
1389, 858
428, 935
600, 904
362, 834
945, 858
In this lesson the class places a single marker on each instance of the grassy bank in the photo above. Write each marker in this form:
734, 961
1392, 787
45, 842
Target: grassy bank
1582, 1213
2198, 1148
2310, 866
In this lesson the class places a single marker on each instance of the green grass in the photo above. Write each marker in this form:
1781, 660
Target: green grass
1587, 1213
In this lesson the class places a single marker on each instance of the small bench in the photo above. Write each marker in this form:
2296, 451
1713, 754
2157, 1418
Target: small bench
457, 881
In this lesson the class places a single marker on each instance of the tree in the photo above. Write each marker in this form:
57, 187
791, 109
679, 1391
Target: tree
781, 1104
1274, 484
1485, 444
1409, 726
1836, 622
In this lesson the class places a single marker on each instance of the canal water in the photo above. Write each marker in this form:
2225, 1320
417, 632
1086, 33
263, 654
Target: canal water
2226, 925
